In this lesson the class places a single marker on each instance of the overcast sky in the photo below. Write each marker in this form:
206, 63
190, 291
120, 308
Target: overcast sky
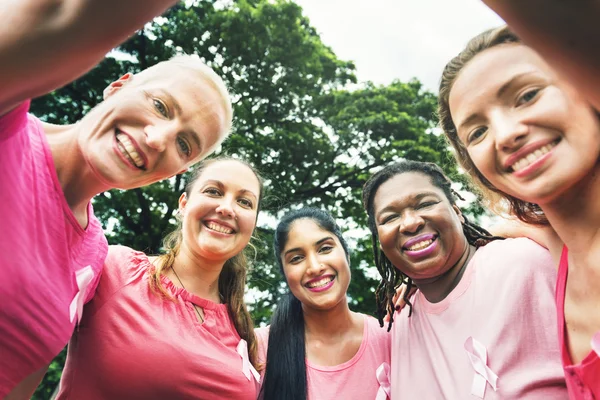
398, 39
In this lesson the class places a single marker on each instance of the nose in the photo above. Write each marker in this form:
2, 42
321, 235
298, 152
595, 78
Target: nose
509, 132
315, 267
225, 208
411, 222
159, 135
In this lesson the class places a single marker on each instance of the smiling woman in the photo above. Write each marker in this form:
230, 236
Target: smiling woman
316, 348
482, 321
176, 326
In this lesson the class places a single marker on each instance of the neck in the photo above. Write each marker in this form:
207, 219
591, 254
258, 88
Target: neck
575, 216
331, 323
198, 276
438, 288
77, 180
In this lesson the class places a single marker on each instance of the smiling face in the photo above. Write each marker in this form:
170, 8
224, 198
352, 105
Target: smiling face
219, 213
419, 230
153, 126
527, 131
315, 265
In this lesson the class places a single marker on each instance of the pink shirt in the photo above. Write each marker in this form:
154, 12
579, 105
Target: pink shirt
356, 378
134, 344
497, 322
50, 265
583, 379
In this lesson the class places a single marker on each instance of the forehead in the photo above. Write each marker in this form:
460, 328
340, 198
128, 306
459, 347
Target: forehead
305, 232
233, 174
403, 187
481, 77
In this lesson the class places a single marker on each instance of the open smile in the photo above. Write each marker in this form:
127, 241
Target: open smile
219, 227
129, 150
420, 246
320, 284
520, 162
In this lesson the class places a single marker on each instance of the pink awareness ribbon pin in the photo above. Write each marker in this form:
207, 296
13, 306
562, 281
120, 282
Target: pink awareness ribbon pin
247, 368
383, 377
83, 277
483, 374
596, 343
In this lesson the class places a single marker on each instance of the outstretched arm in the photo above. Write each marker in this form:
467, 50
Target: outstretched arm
45, 44
565, 32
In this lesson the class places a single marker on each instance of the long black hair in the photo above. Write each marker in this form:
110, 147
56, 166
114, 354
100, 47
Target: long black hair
285, 374
391, 277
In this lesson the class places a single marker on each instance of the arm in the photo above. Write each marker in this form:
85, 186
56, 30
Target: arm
565, 33
26, 388
45, 44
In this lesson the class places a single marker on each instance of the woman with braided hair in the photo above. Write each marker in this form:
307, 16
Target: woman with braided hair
482, 320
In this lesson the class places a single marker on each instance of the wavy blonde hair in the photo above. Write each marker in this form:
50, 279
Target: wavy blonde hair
232, 280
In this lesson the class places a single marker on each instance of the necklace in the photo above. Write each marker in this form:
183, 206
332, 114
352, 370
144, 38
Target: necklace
195, 307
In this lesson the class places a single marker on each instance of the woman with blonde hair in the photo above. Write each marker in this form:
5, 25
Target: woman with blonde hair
176, 326
530, 139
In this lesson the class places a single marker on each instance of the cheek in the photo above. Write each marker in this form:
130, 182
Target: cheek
386, 236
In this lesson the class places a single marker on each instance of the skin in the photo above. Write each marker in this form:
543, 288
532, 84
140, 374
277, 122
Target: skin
538, 109
226, 194
333, 332
408, 206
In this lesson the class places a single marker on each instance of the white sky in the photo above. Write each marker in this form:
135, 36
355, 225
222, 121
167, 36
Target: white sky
398, 39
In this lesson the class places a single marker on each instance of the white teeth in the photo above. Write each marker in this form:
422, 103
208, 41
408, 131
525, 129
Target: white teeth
128, 150
420, 245
217, 227
320, 282
530, 158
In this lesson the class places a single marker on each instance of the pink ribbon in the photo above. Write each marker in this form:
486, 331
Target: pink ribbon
83, 277
483, 374
383, 377
596, 343
247, 367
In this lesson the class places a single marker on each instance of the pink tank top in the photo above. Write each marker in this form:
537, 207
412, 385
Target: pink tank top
583, 379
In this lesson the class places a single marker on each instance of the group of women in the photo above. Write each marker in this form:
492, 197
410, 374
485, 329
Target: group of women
522, 121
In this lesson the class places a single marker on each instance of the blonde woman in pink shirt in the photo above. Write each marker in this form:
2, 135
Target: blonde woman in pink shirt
482, 324
530, 138
316, 348
151, 126
176, 326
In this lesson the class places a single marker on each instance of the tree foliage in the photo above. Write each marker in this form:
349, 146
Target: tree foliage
299, 117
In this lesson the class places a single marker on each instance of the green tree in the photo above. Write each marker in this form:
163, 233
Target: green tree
315, 140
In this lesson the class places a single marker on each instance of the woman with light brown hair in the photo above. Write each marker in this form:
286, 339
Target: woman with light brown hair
530, 139
176, 326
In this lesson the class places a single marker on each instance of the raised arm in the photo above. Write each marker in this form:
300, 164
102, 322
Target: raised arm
45, 44
565, 32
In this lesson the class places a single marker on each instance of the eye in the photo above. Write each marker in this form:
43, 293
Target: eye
527, 96
388, 218
295, 259
477, 134
326, 248
161, 107
212, 191
184, 147
246, 203
426, 204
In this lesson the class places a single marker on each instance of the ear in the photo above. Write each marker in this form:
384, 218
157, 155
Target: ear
182, 202
116, 85
459, 213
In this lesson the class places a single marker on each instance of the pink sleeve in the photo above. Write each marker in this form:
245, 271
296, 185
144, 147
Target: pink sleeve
262, 337
14, 121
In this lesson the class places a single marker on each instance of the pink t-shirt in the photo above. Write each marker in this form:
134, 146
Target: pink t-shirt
583, 379
50, 265
133, 343
358, 377
495, 329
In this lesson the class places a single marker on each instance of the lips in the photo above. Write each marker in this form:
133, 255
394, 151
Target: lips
219, 226
529, 154
321, 283
130, 150
420, 242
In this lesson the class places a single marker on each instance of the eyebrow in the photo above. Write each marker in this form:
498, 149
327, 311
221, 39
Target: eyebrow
501, 91
318, 242
413, 198
195, 136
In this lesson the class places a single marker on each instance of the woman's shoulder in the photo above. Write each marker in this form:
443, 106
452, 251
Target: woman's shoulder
123, 263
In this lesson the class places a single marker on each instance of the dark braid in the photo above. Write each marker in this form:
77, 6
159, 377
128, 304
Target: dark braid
391, 277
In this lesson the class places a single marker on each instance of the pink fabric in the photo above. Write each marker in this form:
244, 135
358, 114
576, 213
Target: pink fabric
494, 330
583, 379
354, 379
134, 344
42, 251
